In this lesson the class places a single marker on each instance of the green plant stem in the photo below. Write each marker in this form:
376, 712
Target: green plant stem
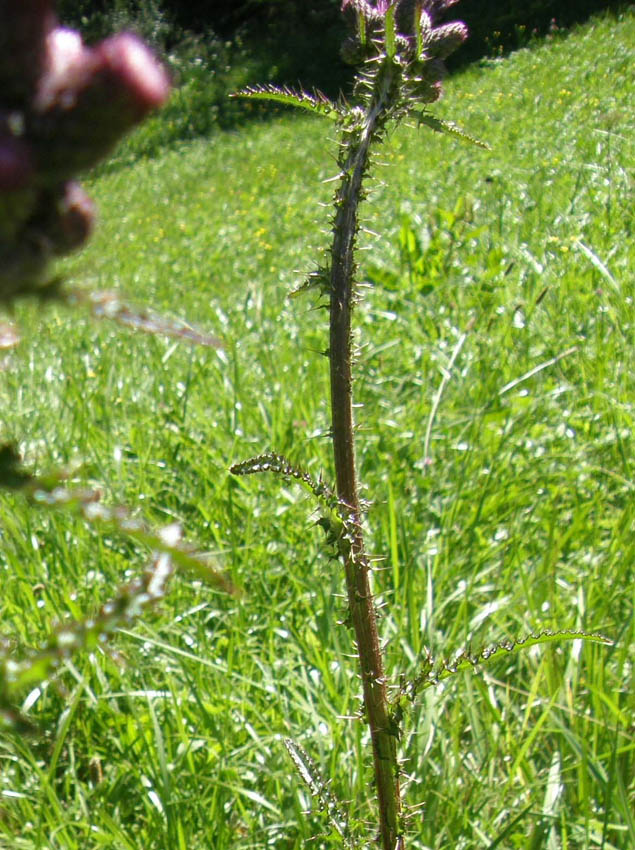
360, 600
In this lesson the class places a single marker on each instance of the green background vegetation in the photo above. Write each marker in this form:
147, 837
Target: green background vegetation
215, 46
519, 519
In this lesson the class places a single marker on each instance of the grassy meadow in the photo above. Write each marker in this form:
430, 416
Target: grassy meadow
495, 383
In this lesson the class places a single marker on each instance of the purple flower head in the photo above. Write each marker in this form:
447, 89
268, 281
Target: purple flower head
436, 8
445, 39
365, 7
405, 8
422, 43
63, 107
89, 97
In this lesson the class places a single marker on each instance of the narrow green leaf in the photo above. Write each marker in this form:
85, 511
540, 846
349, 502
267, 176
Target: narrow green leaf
361, 28
310, 775
509, 828
434, 673
390, 32
530, 738
450, 128
63, 727
317, 102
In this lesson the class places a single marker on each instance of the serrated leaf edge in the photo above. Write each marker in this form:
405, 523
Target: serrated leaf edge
449, 128
316, 102
436, 672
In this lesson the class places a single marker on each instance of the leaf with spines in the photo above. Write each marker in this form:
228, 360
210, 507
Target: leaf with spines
333, 521
433, 672
317, 102
318, 787
128, 604
449, 128
277, 463
30, 667
317, 280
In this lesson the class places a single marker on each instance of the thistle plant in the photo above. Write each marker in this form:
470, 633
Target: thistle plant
398, 47
63, 106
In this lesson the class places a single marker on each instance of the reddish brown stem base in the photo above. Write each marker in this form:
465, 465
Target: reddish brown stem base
360, 600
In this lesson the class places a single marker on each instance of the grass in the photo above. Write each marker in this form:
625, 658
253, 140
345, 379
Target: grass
518, 517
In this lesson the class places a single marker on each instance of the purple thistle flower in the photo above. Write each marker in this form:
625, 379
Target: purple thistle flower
89, 97
421, 46
445, 39
435, 8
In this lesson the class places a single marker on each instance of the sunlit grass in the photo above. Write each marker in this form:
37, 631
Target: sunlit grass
518, 517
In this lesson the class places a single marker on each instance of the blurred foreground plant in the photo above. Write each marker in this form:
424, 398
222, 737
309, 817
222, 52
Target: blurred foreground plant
63, 107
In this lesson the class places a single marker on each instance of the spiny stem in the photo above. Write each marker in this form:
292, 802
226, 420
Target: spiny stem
354, 161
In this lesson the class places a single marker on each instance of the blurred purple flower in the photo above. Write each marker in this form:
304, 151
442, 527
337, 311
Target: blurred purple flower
63, 107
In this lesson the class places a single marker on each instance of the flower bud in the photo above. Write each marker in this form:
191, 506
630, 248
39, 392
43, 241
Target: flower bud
352, 51
445, 40
425, 92
63, 106
139, 82
436, 8
425, 82
406, 10
68, 68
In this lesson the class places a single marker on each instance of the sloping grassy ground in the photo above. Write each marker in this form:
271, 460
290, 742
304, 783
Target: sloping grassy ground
515, 515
